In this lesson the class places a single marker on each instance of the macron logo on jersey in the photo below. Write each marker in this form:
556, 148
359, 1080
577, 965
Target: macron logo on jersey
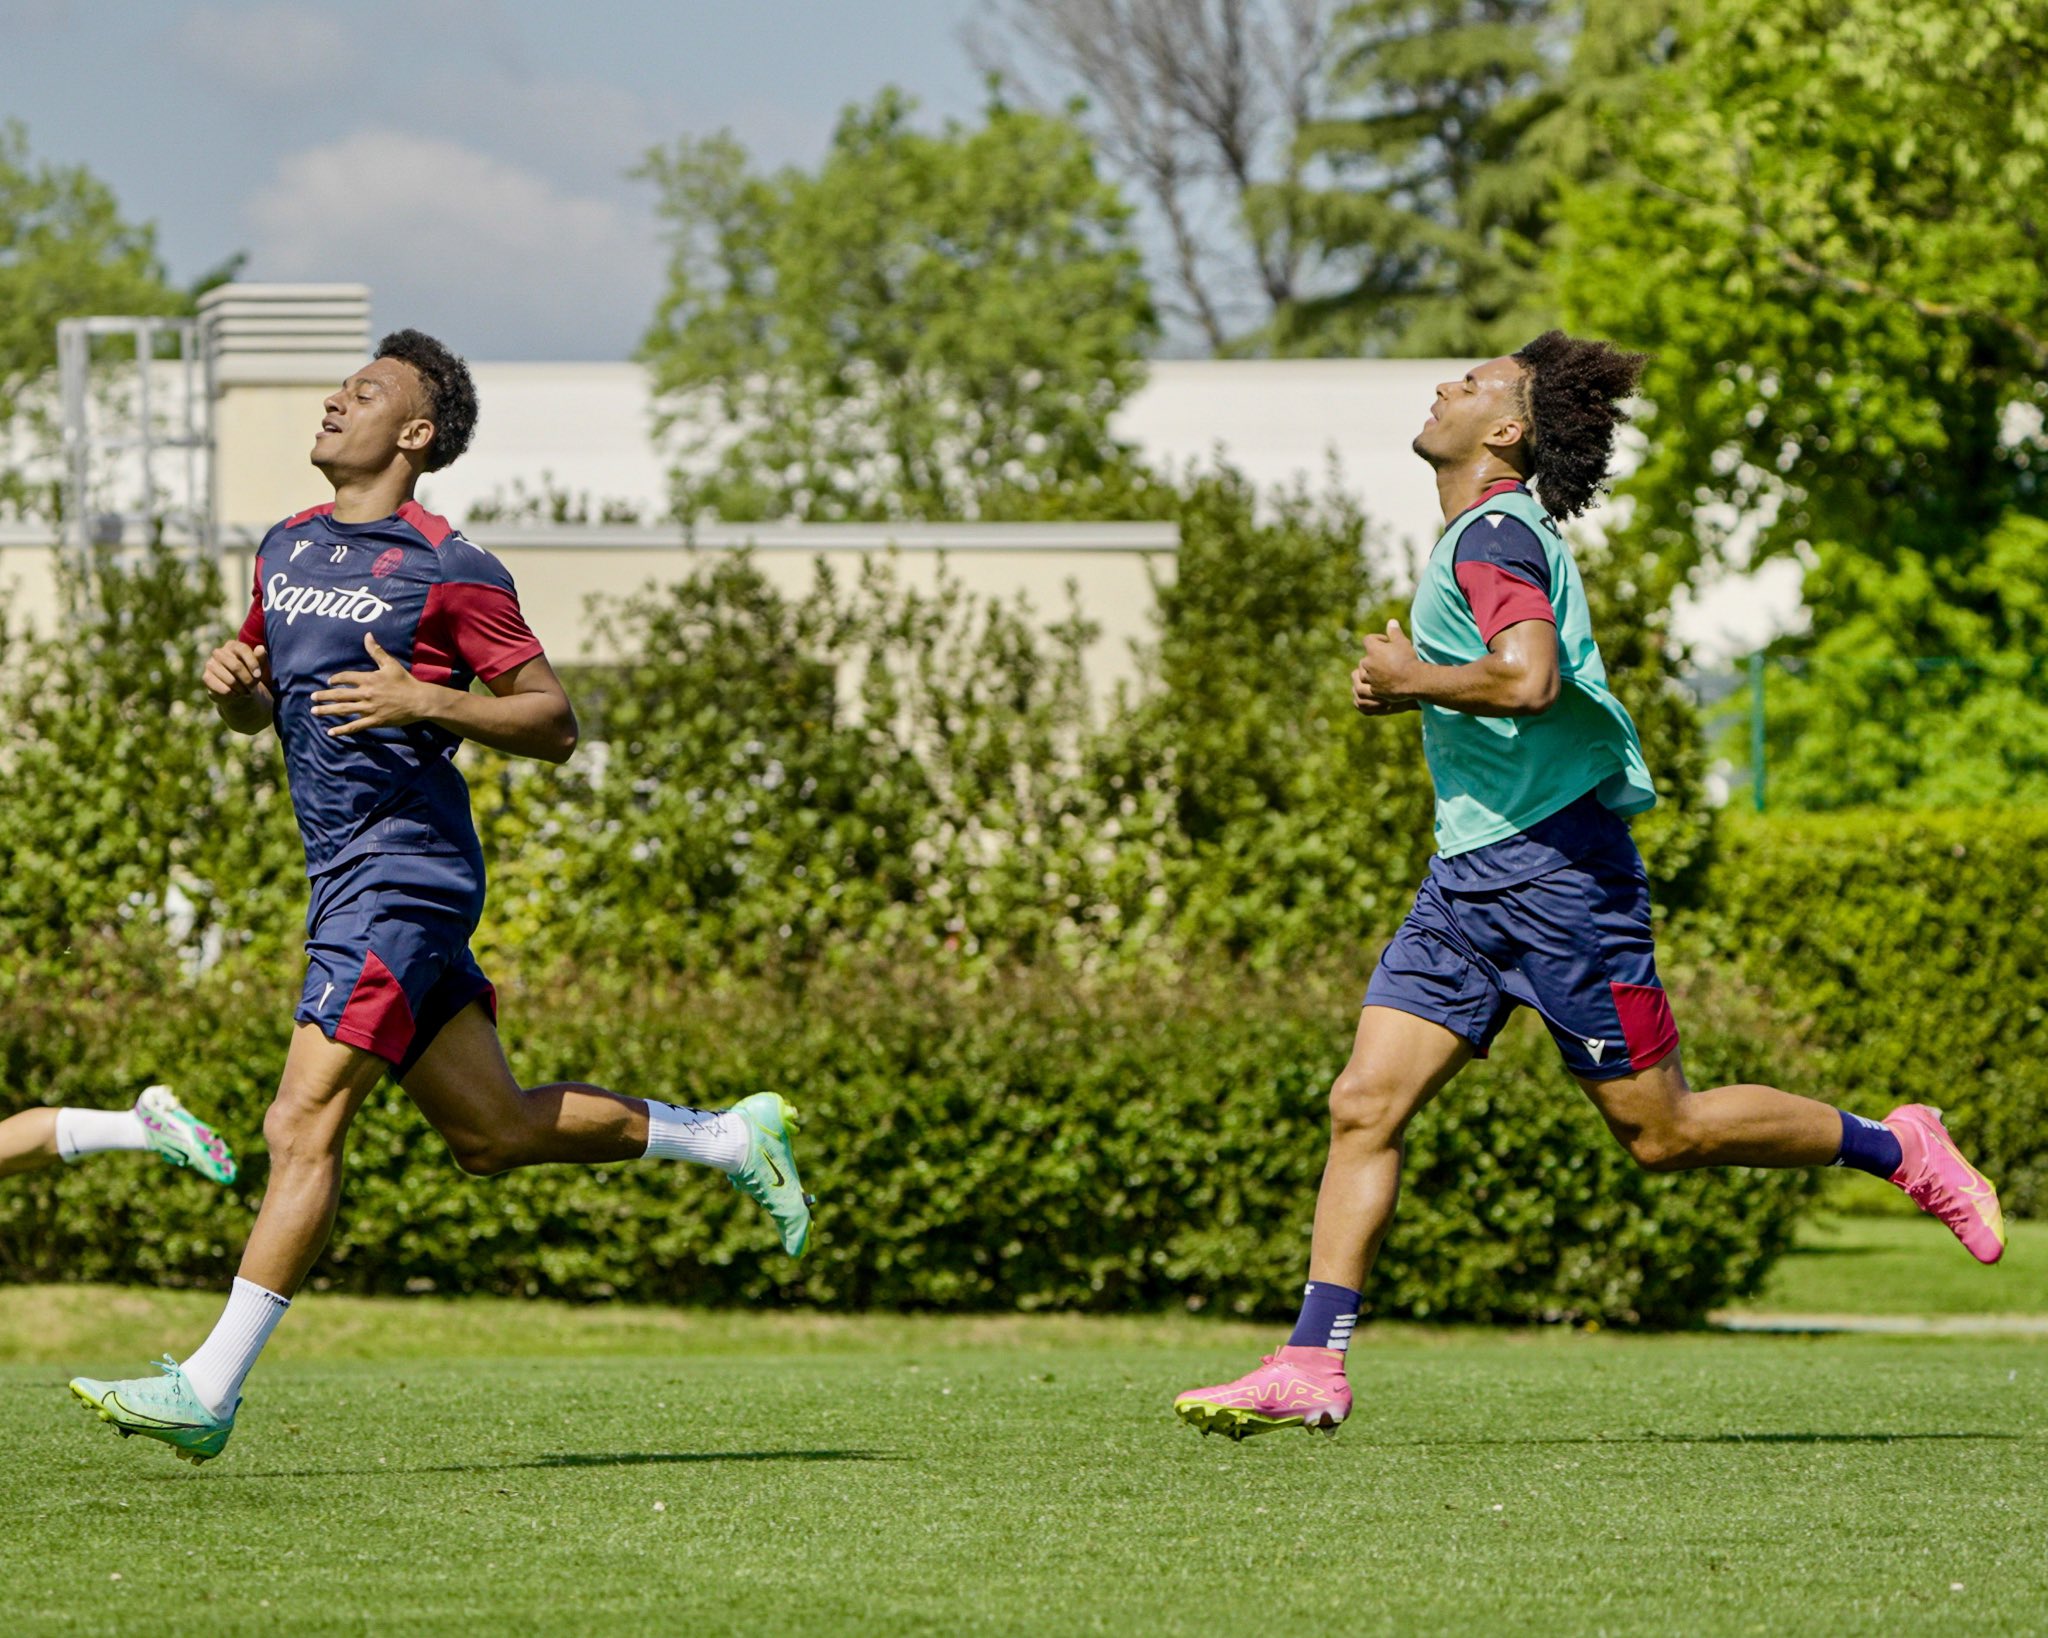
360, 605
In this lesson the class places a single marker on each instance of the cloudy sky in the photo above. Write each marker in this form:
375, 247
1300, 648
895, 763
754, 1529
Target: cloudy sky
464, 158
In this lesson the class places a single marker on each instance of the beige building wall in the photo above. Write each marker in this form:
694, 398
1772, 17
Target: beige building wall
275, 351
279, 349
588, 428
263, 443
28, 579
1114, 569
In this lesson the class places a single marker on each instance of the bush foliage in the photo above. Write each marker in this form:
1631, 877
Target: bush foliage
1062, 988
1029, 1144
1914, 948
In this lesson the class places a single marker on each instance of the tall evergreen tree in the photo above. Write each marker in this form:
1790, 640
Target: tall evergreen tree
1428, 215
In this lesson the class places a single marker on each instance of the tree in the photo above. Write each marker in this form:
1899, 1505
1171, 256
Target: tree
1430, 213
1197, 105
1380, 178
921, 326
131, 814
65, 250
1824, 225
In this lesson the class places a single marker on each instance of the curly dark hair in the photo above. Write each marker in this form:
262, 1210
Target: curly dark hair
1572, 394
451, 395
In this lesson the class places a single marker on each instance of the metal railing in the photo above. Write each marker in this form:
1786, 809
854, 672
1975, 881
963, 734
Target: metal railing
120, 427
1737, 703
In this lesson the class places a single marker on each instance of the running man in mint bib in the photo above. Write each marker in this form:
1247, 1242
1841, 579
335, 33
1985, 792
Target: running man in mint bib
1537, 897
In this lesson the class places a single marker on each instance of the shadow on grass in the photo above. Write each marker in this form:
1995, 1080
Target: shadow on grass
653, 1458
567, 1459
1622, 1439
1824, 1250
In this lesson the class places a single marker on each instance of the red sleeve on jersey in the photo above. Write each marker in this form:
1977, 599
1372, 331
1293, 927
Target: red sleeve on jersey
479, 625
252, 622
1501, 598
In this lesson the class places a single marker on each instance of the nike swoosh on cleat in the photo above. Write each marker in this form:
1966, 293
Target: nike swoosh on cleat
781, 1182
155, 1422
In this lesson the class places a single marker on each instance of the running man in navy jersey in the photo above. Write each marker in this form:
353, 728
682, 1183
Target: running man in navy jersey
368, 621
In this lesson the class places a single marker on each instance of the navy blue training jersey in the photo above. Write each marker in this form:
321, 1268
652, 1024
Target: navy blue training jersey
440, 606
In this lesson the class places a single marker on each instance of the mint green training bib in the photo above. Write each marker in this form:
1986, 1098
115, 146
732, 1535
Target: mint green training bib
1495, 776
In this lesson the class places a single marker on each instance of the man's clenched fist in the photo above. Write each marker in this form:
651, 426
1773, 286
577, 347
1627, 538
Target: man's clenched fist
235, 670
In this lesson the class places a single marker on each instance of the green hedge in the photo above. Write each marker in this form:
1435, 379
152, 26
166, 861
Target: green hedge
1914, 946
1019, 1145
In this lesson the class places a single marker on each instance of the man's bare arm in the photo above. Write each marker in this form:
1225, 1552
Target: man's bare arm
234, 682
527, 712
1517, 676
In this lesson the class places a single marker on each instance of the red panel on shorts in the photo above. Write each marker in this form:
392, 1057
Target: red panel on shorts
1646, 1022
378, 1018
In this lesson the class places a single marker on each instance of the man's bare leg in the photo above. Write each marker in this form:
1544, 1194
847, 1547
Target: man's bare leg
467, 1090
1668, 1127
37, 1138
192, 1406
463, 1085
1398, 1063
323, 1085
492, 1124
28, 1142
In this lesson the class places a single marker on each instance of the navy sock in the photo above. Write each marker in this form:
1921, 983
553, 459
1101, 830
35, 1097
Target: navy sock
1869, 1146
1328, 1312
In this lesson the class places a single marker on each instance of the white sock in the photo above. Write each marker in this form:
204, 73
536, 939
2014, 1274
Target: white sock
222, 1362
88, 1131
710, 1137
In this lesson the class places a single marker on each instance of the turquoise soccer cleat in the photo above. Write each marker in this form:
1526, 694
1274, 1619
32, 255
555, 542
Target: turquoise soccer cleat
768, 1174
181, 1137
160, 1407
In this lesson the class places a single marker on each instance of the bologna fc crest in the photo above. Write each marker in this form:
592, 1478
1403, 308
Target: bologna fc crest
387, 562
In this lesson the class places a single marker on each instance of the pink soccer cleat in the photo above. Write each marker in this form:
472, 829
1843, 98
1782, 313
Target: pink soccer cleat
1941, 1182
1293, 1388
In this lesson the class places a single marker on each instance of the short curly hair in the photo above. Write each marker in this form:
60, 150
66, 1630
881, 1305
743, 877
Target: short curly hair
1572, 393
451, 394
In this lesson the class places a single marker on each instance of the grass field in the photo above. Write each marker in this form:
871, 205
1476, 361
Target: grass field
434, 1466
1905, 1266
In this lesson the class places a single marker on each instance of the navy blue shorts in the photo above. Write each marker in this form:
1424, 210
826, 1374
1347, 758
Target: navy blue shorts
387, 952
1574, 944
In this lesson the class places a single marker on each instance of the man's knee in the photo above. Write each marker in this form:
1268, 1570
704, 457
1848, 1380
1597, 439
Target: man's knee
299, 1127
1368, 1103
482, 1156
486, 1154
1663, 1145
